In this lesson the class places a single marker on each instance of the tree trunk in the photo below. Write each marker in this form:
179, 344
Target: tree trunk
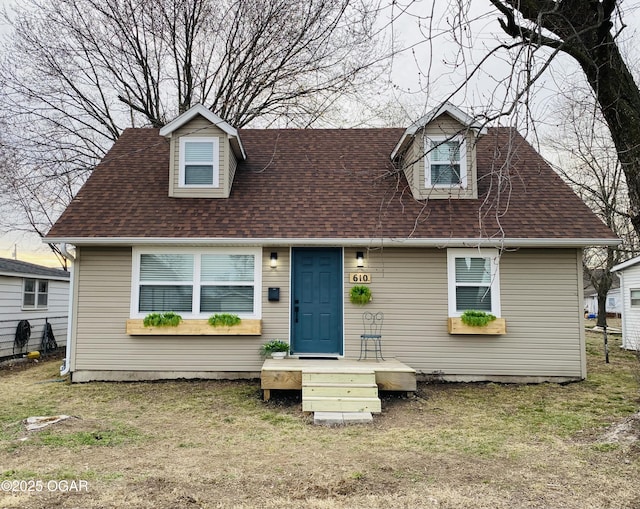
602, 309
582, 29
619, 100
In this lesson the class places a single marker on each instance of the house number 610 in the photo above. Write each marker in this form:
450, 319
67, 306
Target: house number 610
360, 277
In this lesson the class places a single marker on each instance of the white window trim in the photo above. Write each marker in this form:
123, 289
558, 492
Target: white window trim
461, 139
493, 254
35, 306
215, 163
631, 299
257, 276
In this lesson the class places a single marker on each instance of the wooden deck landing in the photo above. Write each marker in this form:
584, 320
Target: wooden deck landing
391, 375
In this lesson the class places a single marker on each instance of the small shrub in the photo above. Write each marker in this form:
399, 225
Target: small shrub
476, 318
274, 345
360, 295
168, 319
224, 320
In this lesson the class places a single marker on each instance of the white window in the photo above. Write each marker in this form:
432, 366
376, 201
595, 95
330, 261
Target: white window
474, 281
35, 294
635, 298
199, 162
445, 162
197, 283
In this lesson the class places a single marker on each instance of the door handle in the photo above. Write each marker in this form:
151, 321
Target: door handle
295, 311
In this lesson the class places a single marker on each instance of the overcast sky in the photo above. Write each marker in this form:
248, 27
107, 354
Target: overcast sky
428, 71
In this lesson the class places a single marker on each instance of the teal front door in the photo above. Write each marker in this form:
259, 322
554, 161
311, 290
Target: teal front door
316, 303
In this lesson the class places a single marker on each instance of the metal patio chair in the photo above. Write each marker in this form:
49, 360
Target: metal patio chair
371, 339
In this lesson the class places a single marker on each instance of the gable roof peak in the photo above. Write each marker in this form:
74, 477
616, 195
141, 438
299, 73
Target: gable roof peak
453, 111
203, 111
446, 107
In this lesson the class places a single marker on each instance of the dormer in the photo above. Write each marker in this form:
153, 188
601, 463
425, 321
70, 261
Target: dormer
438, 154
204, 154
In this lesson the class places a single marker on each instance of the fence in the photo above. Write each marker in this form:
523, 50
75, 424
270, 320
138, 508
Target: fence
8, 346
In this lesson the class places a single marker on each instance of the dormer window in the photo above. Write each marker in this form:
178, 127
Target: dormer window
445, 162
199, 162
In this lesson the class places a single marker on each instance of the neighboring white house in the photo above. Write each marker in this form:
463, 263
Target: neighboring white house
629, 274
34, 293
614, 300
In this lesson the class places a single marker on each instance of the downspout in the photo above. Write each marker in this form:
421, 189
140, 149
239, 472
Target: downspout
66, 366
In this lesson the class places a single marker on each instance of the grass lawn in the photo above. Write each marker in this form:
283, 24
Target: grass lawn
210, 444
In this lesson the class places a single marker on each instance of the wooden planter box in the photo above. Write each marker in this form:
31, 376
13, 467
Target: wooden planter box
195, 328
496, 327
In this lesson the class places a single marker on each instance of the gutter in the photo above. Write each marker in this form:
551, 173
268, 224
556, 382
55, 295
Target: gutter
345, 242
66, 366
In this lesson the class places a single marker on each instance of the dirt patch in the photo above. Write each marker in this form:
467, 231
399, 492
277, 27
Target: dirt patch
625, 432
22, 363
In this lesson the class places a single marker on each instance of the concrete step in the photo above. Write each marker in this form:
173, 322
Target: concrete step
338, 404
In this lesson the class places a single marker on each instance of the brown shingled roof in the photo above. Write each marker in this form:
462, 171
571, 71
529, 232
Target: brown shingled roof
317, 183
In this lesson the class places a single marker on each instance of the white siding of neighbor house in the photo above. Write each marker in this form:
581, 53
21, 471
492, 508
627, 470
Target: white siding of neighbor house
541, 300
630, 280
11, 312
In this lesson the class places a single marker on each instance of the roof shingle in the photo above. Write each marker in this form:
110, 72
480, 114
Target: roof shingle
20, 268
324, 184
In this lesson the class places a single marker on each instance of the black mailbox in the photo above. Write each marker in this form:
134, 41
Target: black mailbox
274, 294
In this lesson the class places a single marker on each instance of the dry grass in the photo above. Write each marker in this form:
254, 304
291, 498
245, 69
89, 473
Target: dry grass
216, 444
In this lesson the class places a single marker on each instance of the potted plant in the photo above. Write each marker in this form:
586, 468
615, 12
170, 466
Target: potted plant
474, 322
224, 320
167, 319
474, 318
360, 294
275, 348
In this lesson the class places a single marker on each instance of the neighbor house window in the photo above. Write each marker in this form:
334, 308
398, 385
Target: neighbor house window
474, 281
635, 298
197, 283
35, 294
199, 162
445, 161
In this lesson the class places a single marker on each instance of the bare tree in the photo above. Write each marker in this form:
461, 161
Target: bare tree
77, 72
586, 158
588, 31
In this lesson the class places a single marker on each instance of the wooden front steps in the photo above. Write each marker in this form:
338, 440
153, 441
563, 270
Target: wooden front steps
335, 391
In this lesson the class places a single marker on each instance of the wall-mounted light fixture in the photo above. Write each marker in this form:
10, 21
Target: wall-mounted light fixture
274, 260
359, 258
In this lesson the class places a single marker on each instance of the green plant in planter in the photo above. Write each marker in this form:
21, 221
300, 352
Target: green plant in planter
476, 318
274, 345
360, 294
167, 319
224, 320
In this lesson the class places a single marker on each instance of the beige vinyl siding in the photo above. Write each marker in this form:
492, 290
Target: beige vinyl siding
101, 344
232, 165
275, 315
444, 125
540, 301
200, 127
